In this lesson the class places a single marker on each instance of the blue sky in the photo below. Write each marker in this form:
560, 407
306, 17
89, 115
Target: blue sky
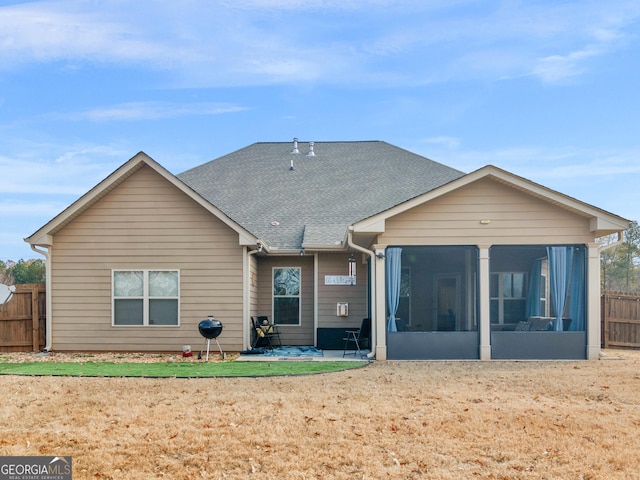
545, 89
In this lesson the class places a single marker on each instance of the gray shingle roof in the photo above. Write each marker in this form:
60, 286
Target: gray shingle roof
316, 201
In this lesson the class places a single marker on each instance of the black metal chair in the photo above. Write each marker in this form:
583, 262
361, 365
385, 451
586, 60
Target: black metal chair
358, 338
264, 332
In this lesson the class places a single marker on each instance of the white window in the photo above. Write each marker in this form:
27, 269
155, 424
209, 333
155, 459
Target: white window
508, 297
146, 297
286, 296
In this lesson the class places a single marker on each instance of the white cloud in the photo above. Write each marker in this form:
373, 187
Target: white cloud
11, 208
555, 68
152, 111
285, 41
60, 171
545, 163
443, 141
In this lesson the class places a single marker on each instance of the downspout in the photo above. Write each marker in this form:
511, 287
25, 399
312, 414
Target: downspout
48, 321
372, 257
614, 244
246, 340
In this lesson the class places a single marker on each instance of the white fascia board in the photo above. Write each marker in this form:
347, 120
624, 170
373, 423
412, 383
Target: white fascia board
89, 198
606, 226
375, 224
43, 240
601, 221
340, 247
128, 168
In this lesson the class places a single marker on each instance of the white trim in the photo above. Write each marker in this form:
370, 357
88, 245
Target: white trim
145, 296
299, 297
601, 222
316, 265
44, 235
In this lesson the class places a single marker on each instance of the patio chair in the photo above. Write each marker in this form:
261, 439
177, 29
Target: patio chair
357, 338
264, 332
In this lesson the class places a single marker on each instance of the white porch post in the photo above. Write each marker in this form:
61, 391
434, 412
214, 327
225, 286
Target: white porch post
593, 302
485, 304
381, 308
315, 298
246, 297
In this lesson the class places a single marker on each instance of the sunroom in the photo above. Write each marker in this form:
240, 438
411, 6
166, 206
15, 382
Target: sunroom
536, 301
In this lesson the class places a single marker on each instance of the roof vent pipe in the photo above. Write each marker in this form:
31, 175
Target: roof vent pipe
295, 146
311, 152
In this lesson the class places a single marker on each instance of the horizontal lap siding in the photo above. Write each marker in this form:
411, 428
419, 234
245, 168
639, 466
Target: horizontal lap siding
330, 295
145, 223
290, 335
515, 218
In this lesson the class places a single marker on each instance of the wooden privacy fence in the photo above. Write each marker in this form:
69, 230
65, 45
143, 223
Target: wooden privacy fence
22, 319
620, 319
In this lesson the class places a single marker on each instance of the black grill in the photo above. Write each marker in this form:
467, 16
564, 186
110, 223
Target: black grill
210, 328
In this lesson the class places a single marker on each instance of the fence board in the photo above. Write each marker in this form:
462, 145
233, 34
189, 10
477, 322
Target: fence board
22, 319
620, 319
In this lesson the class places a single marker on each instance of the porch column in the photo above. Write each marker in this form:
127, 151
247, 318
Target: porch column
485, 303
593, 302
246, 297
380, 323
316, 269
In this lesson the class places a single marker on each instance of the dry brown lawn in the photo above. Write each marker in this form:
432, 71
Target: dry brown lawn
399, 420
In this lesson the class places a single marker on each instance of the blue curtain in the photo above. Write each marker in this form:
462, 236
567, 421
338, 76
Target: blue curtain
534, 294
393, 274
560, 259
578, 284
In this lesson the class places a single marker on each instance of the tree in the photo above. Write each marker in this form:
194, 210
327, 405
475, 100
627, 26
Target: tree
631, 253
20, 272
620, 264
3, 273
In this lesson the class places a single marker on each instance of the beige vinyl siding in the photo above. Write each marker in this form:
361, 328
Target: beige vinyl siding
253, 286
515, 218
330, 295
146, 223
291, 335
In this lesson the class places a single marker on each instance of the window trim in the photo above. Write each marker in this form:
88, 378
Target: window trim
274, 296
145, 296
501, 298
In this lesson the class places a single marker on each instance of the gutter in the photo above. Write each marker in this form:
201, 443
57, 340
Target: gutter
48, 321
374, 286
246, 294
618, 242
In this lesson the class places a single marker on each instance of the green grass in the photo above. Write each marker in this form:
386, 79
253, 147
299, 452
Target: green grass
174, 369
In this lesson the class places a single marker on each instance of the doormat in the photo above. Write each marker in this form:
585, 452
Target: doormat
294, 351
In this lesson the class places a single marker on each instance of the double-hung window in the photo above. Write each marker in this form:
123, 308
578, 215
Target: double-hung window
146, 297
286, 295
508, 297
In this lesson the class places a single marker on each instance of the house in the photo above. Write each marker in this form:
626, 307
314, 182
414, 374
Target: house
448, 265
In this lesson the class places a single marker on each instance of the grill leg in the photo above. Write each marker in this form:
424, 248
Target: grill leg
222, 355
208, 343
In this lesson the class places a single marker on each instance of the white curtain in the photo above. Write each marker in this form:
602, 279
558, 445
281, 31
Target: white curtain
560, 259
394, 276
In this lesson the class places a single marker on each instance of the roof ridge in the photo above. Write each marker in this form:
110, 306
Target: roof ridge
319, 141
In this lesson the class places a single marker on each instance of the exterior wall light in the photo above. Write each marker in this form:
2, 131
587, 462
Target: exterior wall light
352, 266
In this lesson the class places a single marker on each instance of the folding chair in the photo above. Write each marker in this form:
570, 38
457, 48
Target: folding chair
357, 337
265, 332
